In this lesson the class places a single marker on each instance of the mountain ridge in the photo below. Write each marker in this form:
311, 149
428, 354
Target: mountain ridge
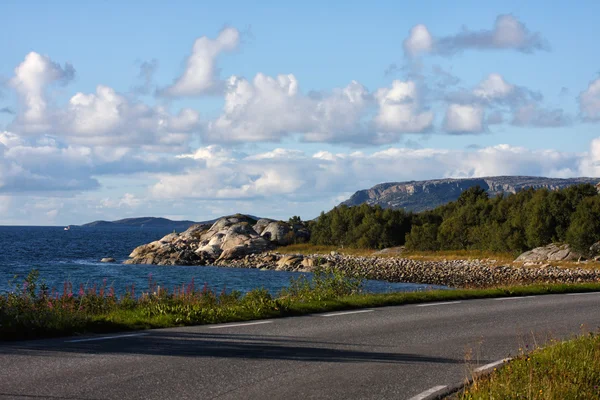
427, 194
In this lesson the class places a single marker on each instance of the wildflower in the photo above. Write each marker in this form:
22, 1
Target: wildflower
50, 305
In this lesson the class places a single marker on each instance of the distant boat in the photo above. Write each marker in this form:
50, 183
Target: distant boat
68, 228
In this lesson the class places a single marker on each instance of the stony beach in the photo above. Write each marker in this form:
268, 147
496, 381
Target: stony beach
453, 273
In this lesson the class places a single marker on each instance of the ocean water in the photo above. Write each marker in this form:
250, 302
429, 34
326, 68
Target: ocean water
75, 255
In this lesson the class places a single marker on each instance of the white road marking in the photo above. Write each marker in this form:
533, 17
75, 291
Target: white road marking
235, 325
105, 338
429, 392
582, 294
513, 298
345, 313
438, 304
491, 365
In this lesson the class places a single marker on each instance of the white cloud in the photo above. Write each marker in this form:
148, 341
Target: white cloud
282, 174
201, 74
400, 109
103, 118
493, 87
31, 78
589, 101
461, 118
508, 33
419, 41
272, 108
49, 166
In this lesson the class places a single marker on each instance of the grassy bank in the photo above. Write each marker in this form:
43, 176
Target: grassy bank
34, 311
561, 371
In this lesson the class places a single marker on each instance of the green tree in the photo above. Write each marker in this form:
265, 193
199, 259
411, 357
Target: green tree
585, 225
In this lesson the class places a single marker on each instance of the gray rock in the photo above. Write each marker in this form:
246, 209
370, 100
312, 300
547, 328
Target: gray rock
552, 252
229, 238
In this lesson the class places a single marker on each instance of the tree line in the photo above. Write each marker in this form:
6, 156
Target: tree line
505, 223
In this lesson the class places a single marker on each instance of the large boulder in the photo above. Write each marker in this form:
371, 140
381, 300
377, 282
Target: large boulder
261, 224
229, 238
552, 252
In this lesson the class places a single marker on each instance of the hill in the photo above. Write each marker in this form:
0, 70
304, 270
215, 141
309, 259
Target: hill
426, 195
146, 222
151, 222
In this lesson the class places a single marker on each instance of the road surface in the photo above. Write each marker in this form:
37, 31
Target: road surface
398, 352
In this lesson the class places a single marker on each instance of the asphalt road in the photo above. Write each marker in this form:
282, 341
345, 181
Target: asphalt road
384, 353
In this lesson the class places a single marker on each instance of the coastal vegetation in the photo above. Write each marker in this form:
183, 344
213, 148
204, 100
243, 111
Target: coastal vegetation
475, 221
32, 310
563, 370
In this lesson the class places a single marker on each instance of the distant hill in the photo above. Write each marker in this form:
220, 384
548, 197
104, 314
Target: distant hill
426, 195
149, 222
145, 222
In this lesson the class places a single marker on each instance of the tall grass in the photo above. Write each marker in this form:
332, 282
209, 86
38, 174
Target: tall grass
32, 310
561, 371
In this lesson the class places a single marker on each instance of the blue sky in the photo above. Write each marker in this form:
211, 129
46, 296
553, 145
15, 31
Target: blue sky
194, 110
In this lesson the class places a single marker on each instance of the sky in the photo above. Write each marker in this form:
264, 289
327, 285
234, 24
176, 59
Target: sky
194, 110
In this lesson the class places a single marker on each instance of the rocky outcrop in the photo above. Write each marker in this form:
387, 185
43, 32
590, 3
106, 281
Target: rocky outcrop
425, 195
229, 238
453, 273
552, 252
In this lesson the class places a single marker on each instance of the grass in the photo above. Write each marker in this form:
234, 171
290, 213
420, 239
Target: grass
562, 371
34, 311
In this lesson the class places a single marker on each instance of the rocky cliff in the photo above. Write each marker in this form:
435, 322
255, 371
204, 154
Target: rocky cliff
425, 195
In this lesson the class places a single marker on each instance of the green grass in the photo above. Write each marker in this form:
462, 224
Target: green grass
562, 371
33, 311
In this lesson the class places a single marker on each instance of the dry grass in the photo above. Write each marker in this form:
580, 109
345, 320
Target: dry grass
561, 371
307, 248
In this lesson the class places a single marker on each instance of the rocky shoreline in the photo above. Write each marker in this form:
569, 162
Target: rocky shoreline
453, 273
240, 241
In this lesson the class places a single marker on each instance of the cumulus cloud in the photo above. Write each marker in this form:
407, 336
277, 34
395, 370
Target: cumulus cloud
589, 101
201, 74
400, 109
419, 41
107, 117
272, 108
30, 81
497, 96
493, 87
508, 33
464, 119
103, 118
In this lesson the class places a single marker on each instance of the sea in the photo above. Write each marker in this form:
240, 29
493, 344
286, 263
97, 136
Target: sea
74, 256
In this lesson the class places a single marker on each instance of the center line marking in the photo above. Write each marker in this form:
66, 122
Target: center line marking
106, 338
346, 313
437, 304
491, 365
428, 392
512, 298
581, 294
235, 325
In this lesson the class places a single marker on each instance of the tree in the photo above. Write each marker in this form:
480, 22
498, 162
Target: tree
584, 230
295, 220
